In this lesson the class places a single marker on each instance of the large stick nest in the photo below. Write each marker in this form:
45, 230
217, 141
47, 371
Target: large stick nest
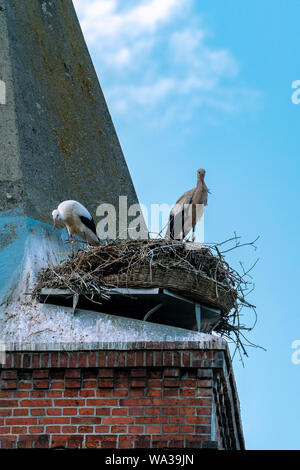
201, 274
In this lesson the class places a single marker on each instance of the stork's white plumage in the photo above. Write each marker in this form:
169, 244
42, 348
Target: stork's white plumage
78, 221
188, 210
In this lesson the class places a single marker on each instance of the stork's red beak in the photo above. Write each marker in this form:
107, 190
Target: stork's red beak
54, 221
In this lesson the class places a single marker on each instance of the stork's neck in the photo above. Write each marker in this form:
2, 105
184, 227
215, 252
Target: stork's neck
200, 180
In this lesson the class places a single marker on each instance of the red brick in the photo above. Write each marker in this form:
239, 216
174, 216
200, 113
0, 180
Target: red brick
176, 419
70, 411
52, 429
138, 373
87, 393
87, 411
153, 411
40, 374
71, 393
73, 359
38, 411
87, 420
169, 411
142, 442
54, 359
173, 392
41, 384
90, 373
155, 383
36, 429
126, 442
72, 373
36, 394
9, 384
204, 392
4, 430
117, 420
54, 411
92, 359
55, 420
203, 429
138, 383
39, 403
151, 420
198, 419
154, 392
21, 421
135, 402
187, 392
85, 429
90, 384
120, 393
75, 442
9, 374
152, 429
136, 429
170, 428
103, 411
63, 359
54, 394
7, 412
198, 401
19, 430
73, 383
119, 411
186, 429
25, 385
69, 429
137, 411
56, 384
59, 441
111, 358
69, 402
106, 373
105, 383
203, 411
204, 383
101, 429
101, 402
137, 392
118, 429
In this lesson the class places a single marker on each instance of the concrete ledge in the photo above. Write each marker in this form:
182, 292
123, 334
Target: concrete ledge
213, 343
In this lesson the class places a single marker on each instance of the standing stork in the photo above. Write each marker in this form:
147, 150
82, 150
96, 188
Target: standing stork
78, 221
188, 210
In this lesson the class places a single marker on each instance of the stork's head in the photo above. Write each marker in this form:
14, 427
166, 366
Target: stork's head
201, 173
56, 216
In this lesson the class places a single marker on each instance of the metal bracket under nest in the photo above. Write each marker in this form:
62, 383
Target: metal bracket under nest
169, 307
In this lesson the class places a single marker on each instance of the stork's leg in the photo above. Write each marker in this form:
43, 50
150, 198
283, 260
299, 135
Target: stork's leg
193, 236
71, 241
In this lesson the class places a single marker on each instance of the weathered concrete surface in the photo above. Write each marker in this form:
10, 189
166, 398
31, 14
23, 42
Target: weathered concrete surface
57, 138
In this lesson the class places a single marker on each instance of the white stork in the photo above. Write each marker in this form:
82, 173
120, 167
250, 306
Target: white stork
78, 221
188, 210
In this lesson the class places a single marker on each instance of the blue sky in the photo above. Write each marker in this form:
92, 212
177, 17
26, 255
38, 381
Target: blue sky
208, 84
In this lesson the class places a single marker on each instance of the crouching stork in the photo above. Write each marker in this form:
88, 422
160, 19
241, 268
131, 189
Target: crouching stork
78, 221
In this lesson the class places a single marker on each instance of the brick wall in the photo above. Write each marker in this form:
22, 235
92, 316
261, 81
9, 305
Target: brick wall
149, 397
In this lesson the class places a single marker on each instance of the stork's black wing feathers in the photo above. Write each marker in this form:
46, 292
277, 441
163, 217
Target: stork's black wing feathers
89, 223
172, 221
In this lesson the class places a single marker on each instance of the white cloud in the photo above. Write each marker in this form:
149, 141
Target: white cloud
148, 53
